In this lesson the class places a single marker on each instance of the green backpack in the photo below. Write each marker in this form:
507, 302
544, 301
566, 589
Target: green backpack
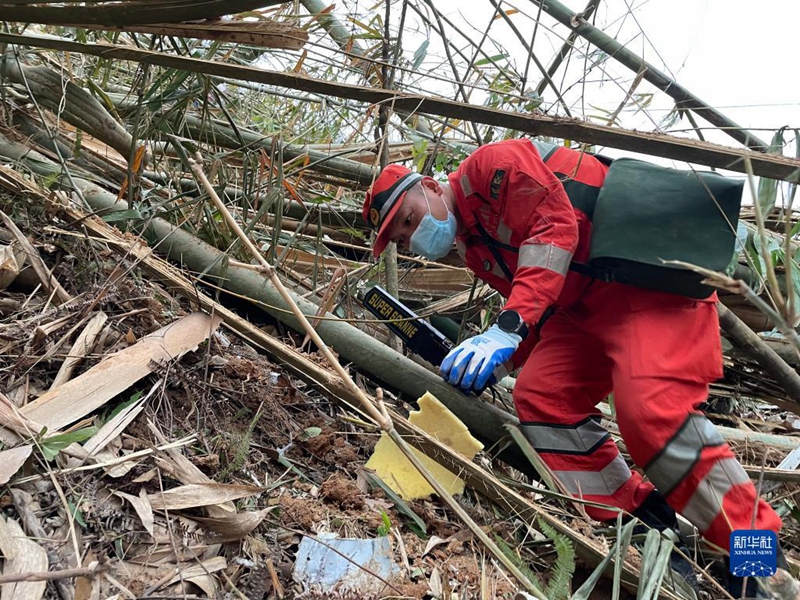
646, 214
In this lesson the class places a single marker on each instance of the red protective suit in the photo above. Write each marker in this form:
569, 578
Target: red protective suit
657, 352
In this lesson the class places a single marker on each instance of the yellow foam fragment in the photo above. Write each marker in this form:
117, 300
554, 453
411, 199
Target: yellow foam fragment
391, 465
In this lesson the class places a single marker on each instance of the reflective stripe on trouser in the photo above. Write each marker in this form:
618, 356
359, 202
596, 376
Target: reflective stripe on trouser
585, 460
702, 500
717, 497
657, 353
681, 453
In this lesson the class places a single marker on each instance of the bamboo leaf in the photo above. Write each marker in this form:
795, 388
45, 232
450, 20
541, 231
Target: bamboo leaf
123, 215
655, 562
52, 445
420, 54
490, 60
585, 591
418, 527
768, 188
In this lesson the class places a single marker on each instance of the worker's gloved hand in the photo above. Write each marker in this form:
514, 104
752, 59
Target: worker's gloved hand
478, 361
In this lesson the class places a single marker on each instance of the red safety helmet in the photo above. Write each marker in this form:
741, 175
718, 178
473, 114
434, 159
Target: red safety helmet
384, 199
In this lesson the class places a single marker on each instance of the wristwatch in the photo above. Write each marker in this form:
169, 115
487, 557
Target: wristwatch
510, 322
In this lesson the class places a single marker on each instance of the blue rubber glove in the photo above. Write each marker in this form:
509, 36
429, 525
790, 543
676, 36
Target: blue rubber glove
478, 361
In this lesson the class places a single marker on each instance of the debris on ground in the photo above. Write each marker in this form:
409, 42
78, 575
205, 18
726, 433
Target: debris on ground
392, 466
168, 431
332, 564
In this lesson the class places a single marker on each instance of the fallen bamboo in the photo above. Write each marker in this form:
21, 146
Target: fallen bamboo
49, 282
763, 354
369, 355
378, 414
70, 101
315, 375
334, 164
656, 144
684, 99
265, 33
131, 13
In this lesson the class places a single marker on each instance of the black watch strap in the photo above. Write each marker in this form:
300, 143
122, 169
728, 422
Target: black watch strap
510, 321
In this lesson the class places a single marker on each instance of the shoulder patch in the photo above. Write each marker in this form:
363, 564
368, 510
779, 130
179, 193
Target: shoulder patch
465, 186
497, 182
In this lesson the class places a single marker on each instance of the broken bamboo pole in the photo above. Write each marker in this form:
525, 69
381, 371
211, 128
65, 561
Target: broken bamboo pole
130, 13
763, 354
684, 99
656, 144
333, 164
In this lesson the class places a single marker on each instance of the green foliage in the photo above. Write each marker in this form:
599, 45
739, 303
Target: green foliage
490, 60
309, 432
768, 188
415, 524
516, 560
54, 444
617, 552
119, 408
558, 587
419, 151
420, 54
76, 513
386, 525
123, 215
655, 564
777, 255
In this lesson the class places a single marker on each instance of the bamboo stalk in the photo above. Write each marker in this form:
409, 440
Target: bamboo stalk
682, 96
568, 45
130, 12
766, 256
378, 414
764, 355
656, 144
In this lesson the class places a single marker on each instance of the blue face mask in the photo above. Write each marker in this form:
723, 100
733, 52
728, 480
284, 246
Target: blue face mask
433, 238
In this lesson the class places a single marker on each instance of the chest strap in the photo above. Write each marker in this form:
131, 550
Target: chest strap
494, 246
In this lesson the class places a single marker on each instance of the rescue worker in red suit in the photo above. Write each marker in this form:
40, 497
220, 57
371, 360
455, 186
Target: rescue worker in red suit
519, 212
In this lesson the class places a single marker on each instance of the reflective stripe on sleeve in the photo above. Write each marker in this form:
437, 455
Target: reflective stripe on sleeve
680, 454
545, 149
504, 233
583, 438
545, 256
596, 483
706, 503
462, 249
